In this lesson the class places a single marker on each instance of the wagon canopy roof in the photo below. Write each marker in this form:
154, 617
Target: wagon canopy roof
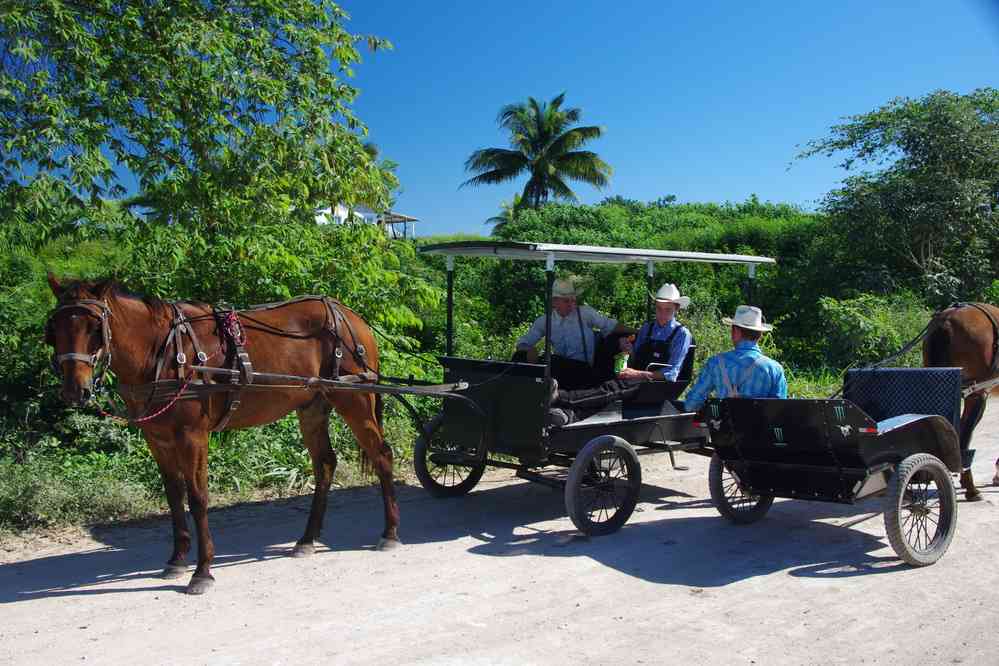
523, 251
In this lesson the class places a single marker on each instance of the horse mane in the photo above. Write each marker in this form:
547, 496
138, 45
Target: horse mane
77, 289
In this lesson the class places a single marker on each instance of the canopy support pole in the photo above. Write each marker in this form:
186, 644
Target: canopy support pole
650, 273
549, 283
449, 341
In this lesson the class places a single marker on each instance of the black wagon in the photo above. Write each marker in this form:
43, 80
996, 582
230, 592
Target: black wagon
600, 471
893, 435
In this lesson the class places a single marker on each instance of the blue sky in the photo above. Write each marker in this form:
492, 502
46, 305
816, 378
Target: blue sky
706, 100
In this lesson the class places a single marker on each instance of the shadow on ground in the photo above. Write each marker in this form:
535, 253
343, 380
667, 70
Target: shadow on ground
686, 543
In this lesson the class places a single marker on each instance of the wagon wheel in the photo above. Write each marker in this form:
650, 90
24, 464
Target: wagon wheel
921, 515
731, 499
442, 480
602, 489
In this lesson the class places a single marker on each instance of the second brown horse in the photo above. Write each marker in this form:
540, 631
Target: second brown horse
97, 322
966, 336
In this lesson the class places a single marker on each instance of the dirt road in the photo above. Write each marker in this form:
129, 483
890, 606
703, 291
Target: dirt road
501, 577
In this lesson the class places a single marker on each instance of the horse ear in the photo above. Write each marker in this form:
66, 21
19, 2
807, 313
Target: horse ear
103, 289
54, 284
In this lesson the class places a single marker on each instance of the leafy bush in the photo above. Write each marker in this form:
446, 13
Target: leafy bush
869, 328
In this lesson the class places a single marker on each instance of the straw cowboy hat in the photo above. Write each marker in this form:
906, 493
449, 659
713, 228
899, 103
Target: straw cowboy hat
668, 293
563, 289
748, 316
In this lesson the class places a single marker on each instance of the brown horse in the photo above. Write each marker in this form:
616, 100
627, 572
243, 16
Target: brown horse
144, 339
966, 336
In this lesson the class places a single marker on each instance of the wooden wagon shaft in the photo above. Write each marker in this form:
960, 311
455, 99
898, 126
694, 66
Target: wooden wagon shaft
987, 385
363, 382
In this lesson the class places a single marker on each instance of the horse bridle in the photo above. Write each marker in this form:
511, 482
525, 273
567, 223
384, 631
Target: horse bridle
102, 313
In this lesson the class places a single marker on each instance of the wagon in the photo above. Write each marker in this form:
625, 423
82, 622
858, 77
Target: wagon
892, 436
595, 460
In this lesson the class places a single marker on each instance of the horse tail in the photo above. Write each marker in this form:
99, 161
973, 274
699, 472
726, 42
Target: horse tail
937, 349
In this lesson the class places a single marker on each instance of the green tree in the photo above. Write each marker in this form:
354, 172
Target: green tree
508, 213
546, 147
221, 112
922, 217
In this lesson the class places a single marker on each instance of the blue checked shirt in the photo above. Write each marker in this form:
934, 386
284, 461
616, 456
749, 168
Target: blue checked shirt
677, 348
765, 380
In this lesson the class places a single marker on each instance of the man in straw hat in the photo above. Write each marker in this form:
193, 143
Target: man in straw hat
573, 339
659, 353
743, 372
664, 341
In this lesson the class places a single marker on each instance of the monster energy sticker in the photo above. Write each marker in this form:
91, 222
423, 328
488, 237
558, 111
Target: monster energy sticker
840, 412
779, 437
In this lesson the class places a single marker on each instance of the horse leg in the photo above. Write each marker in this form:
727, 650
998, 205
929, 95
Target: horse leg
359, 411
173, 484
194, 453
974, 408
314, 423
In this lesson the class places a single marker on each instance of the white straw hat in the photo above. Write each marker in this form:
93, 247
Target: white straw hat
748, 316
668, 293
563, 289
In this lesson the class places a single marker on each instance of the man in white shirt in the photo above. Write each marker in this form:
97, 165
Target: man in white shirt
574, 343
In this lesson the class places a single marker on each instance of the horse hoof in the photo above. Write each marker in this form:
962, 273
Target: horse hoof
200, 584
973, 496
388, 544
171, 571
995, 480
303, 550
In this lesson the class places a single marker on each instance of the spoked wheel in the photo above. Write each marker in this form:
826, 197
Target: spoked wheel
731, 499
603, 485
921, 515
442, 480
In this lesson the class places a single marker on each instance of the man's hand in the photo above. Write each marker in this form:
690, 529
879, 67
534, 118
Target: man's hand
631, 373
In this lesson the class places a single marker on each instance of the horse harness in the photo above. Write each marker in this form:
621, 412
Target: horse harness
103, 314
199, 380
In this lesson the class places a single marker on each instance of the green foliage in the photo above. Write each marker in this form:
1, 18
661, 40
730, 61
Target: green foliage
546, 147
922, 221
869, 328
52, 492
222, 112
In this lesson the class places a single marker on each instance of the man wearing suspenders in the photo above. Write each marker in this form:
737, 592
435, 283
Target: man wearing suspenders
743, 372
663, 341
573, 339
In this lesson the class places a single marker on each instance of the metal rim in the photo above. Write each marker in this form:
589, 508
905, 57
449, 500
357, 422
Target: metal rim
447, 475
605, 487
921, 513
736, 497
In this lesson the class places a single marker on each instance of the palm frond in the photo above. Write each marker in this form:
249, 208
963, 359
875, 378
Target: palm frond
490, 178
574, 138
584, 165
496, 158
560, 190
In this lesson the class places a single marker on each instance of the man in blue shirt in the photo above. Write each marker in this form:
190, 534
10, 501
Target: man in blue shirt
743, 372
663, 341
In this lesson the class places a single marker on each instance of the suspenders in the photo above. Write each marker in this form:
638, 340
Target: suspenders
733, 391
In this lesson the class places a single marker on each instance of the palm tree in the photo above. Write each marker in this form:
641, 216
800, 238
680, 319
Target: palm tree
544, 145
508, 213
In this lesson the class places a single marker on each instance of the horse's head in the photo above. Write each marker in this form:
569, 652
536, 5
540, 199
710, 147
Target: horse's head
79, 330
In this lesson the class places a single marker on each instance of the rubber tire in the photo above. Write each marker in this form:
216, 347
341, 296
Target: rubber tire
927, 464
421, 452
721, 502
579, 470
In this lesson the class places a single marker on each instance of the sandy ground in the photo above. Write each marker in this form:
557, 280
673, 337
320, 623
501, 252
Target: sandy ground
500, 576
